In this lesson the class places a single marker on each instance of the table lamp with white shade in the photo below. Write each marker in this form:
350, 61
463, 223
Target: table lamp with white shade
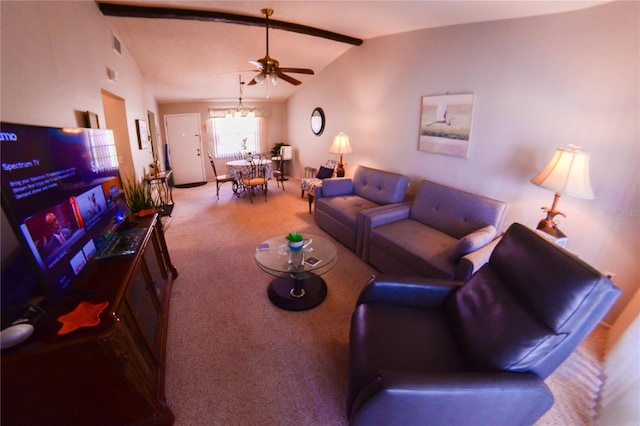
566, 174
340, 146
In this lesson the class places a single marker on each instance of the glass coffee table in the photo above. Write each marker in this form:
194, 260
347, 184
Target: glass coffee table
298, 284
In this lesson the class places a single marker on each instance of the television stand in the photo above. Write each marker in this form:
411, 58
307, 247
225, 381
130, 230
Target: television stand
111, 373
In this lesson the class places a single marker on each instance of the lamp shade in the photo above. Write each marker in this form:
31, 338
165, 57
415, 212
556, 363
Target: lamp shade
340, 145
567, 173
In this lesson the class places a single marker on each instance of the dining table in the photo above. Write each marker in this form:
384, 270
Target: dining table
235, 168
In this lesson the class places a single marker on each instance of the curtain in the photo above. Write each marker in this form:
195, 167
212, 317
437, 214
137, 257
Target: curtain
263, 130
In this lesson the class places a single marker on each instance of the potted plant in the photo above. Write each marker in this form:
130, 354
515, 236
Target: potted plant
275, 151
154, 168
139, 197
295, 241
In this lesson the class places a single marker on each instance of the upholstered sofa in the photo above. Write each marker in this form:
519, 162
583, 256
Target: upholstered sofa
341, 204
445, 233
424, 351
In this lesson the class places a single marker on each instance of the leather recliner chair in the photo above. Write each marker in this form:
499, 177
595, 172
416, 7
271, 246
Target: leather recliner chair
436, 352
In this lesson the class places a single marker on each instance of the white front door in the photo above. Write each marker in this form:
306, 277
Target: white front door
185, 148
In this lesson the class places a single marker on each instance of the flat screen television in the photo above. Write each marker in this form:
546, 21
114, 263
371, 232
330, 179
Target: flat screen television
62, 195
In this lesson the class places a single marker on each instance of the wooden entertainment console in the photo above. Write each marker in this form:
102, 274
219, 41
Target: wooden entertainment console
108, 374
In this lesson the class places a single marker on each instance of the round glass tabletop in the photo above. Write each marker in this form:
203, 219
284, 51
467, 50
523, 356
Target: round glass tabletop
318, 257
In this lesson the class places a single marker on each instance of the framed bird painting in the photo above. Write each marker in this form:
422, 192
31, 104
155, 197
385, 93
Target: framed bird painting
445, 124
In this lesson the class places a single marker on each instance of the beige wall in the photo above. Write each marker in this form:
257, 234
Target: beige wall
54, 65
540, 83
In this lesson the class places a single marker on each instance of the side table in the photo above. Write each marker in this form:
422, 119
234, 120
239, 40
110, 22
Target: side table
160, 182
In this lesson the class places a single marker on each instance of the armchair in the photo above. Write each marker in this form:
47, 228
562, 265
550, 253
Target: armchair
431, 351
313, 177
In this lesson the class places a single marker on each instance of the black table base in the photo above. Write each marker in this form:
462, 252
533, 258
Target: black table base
297, 295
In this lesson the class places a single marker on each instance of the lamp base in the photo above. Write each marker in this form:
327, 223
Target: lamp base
340, 170
551, 230
549, 222
552, 234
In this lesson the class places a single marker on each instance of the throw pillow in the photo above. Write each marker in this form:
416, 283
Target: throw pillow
324, 173
472, 242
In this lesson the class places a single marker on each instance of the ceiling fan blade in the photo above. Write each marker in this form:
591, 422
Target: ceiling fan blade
287, 78
252, 82
257, 64
297, 70
235, 72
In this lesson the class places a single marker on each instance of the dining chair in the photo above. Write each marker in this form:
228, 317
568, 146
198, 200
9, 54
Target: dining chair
278, 174
220, 179
254, 177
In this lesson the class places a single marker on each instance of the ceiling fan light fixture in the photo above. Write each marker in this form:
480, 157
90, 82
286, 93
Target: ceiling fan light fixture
268, 68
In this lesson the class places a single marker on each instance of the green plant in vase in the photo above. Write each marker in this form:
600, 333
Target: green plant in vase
296, 241
154, 168
139, 197
275, 151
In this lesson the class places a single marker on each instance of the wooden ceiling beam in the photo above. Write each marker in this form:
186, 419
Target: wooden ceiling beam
152, 12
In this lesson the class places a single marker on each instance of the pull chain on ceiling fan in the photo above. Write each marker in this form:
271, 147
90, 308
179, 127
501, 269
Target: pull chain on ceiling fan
269, 68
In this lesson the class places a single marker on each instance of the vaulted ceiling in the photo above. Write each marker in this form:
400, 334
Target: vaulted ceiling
200, 59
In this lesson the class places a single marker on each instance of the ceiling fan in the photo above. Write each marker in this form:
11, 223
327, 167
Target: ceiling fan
270, 69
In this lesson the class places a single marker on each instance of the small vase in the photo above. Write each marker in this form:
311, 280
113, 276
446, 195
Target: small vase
295, 245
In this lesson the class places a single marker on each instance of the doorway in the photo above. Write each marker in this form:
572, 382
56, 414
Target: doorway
185, 148
115, 116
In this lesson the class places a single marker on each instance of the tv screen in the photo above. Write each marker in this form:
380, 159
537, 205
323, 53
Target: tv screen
62, 193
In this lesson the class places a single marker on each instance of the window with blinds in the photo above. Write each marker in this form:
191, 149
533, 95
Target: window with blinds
233, 135
103, 151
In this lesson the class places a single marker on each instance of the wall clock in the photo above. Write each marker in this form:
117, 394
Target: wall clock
317, 121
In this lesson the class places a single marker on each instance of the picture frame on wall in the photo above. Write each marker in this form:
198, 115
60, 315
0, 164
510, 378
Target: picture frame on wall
153, 135
143, 134
445, 124
92, 120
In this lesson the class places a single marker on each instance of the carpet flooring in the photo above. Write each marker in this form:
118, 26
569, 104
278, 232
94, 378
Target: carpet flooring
233, 358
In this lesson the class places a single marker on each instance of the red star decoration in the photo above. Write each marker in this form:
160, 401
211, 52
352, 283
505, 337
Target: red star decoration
84, 315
